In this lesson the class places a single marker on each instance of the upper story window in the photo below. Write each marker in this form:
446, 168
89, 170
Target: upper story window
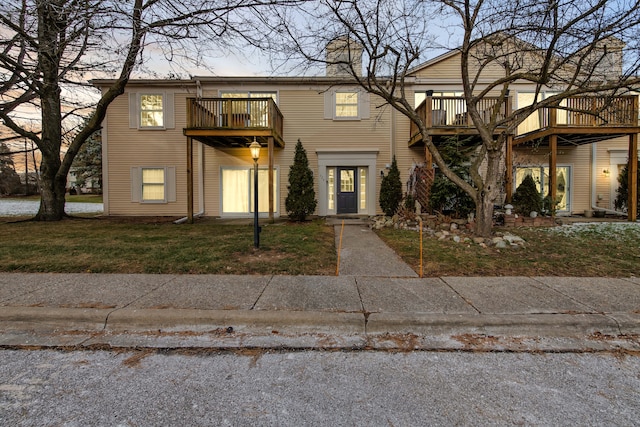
151, 111
346, 105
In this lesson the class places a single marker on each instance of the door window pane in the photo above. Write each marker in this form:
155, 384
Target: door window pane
347, 181
331, 191
363, 188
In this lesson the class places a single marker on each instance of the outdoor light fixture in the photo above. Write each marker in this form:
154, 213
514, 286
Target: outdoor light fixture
605, 172
254, 148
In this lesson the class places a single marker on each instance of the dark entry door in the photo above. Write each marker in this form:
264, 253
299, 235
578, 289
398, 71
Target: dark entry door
347, 190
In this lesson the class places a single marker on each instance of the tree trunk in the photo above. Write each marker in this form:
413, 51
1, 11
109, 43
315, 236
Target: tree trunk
489, 194
484, 216
51, 29
53, 189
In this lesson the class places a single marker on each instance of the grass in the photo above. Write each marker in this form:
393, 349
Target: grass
108, 245
120, 246
601, 251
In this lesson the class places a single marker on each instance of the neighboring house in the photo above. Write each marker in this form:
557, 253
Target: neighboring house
180, 147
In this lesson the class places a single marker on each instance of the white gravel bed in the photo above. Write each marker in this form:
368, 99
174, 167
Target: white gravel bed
603, 229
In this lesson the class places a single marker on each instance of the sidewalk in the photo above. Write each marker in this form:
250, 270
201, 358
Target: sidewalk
351, 311
318, 312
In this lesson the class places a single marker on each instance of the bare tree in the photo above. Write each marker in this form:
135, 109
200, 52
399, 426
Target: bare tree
557, 44
50, 48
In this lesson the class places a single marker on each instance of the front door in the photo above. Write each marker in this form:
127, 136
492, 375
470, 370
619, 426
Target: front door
347, 195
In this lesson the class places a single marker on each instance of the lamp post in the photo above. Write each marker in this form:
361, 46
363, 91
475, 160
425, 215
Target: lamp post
254, 148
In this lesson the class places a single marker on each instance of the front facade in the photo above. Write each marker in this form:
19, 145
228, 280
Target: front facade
180, 147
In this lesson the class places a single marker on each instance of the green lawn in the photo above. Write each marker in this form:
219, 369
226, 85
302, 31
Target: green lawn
122, 246
126, 245
611, 250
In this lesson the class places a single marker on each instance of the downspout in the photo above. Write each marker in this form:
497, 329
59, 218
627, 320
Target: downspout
200, 187
594, 171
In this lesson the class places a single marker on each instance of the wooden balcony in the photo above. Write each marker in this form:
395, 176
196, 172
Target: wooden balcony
582, 120
447, 116
234, 122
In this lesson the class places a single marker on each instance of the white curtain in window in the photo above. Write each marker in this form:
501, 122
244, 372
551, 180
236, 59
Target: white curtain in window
235, 183
263, 190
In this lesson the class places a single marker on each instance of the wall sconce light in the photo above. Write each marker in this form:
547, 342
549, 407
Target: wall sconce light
381, 174
605, 172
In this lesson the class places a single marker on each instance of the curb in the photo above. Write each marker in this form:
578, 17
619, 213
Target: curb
245, 321
551, 325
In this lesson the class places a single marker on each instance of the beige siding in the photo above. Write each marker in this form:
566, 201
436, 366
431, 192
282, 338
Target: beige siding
127, 148
609, 155
303, 112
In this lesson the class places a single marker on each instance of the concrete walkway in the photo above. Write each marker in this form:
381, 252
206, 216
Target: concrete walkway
364, 254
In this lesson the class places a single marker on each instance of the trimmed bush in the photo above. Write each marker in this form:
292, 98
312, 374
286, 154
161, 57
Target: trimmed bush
527, 198
301, 200
622, 193
391, 190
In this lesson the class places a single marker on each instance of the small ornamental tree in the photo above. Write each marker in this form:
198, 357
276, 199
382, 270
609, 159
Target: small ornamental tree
9, 179
527, 198
301, 200
391, 190
622, 193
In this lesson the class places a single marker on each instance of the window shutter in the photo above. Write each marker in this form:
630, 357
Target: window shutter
134, 111
169, 113
136, 185
365, 105
170, 185
328, 105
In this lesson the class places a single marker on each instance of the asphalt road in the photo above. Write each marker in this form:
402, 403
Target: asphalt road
86, 388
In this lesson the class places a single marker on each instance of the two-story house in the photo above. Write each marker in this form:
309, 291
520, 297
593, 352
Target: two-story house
180, 147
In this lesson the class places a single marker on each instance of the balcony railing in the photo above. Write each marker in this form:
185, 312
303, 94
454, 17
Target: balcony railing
592, 111
451, 112
234, 113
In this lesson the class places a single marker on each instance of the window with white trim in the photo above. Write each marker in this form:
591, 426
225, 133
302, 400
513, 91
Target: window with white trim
151, 111
153, 185
346, 105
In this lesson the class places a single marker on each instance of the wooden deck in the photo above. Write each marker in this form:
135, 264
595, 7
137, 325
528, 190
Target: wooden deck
447, 116
584, 120
234, 122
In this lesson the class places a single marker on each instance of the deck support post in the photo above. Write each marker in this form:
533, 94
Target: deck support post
632, 197
553, 177
270, 173
190, 180
508, 174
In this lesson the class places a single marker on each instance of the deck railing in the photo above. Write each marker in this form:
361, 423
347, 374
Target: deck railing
234, 113
451, 111
591, 111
